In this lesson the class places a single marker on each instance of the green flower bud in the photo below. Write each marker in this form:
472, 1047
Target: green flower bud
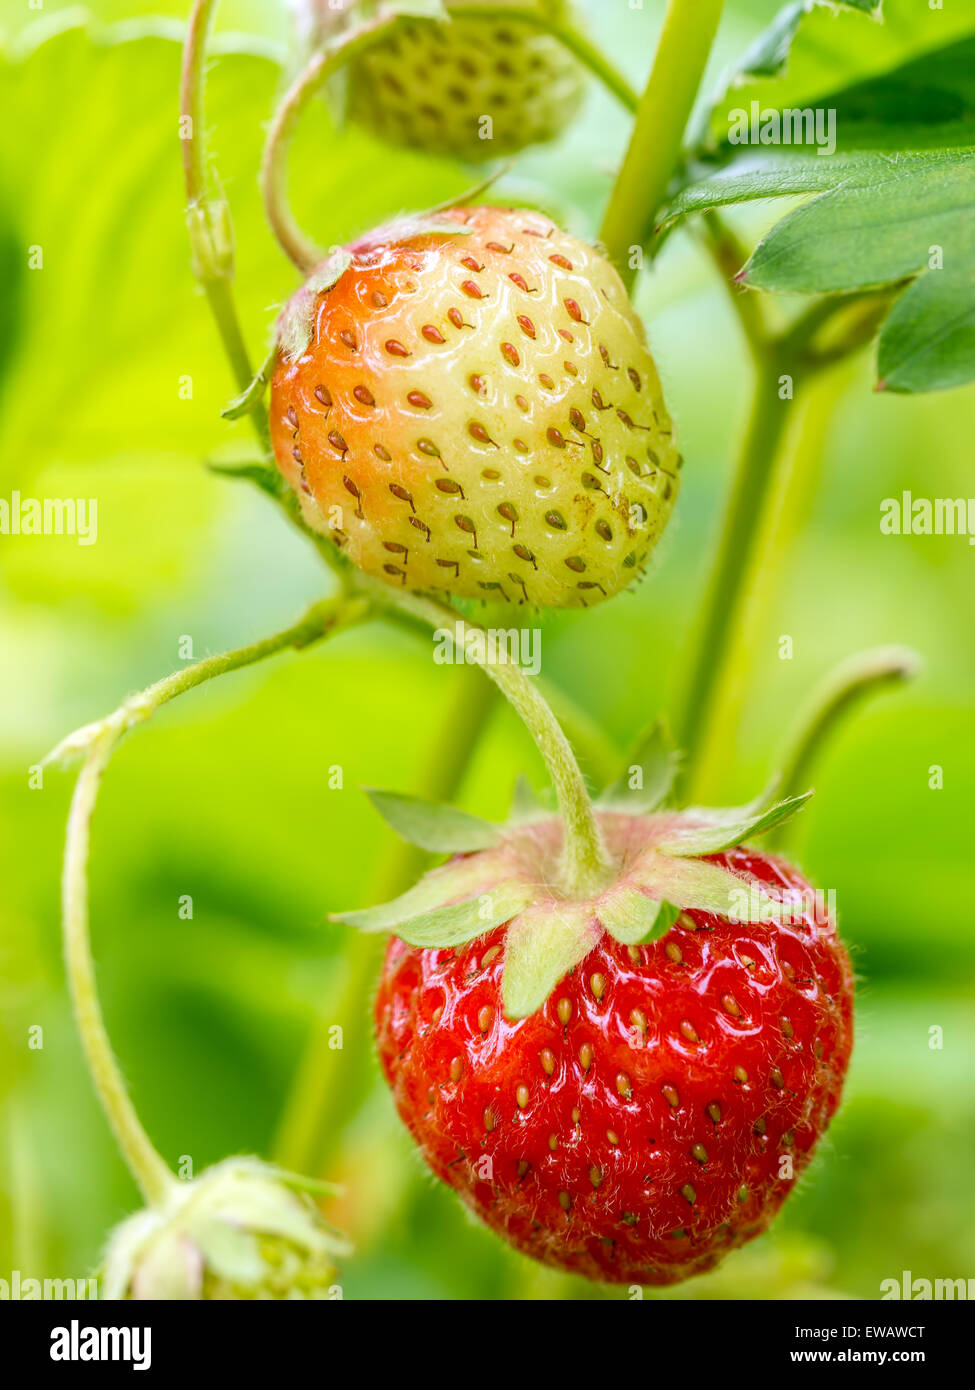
243, 1229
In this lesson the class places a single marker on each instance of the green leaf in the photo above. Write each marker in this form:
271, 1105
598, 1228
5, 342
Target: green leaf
897, 193
882, 219
648, 777
928, 338
724, 829
874, 227
253, 470
228, 1251
768, 54
448, 884
462, 922
632, 918
295, 324
439, 829
98, 188
893, 222
246, 401
831, 50
541, 947
694, 884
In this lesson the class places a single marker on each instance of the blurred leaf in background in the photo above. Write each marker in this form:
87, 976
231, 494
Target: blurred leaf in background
111, 386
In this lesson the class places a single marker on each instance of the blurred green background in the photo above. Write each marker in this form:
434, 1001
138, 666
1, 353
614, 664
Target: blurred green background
226, 796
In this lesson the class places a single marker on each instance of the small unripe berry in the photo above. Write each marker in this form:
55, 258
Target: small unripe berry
239, 1231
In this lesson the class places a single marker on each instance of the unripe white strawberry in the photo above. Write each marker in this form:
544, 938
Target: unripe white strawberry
470, 406
474, 87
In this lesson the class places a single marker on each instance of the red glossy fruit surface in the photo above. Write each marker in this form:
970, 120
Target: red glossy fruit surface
656, 1112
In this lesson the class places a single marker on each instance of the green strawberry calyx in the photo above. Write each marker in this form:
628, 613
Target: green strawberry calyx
509, 874
242, 1229
295, 323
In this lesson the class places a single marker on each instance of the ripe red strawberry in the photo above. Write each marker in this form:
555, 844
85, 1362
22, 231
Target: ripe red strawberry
655, 1111
471, 407
474, 87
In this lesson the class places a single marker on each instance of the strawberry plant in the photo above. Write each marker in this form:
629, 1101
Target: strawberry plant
613, 1024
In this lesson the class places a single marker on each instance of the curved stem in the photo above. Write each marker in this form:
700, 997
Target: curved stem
321, 619
274, 164
661, 120
756, 464
299, 249
144, 1162
584, 862
97, 742
841, 691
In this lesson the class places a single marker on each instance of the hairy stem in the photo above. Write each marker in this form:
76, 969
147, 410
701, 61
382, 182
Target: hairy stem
208, 220
661, 120
97, 742
299, 249
191, 97
274, 164
584, 864
144, 1162
846, 686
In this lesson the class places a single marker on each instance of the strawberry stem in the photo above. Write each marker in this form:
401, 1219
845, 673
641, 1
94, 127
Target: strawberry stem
303, 252
208, 220
585, 865
661, 120
829, 331
97, 742
143, 1160
845, 687
756, 464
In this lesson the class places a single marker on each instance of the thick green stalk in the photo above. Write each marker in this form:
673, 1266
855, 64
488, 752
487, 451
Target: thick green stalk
756, 464
655, 146
765, 501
